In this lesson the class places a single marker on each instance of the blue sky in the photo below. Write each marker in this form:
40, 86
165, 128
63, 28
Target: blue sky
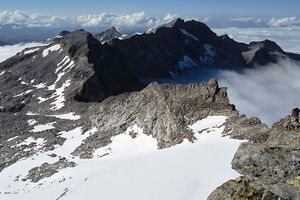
193, 8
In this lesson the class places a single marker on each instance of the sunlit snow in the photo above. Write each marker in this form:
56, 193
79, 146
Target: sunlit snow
43, 127
133, 166
69, 116
31, 50
50, 49
189, 34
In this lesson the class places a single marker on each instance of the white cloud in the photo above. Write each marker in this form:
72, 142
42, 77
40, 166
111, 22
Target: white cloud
32, 20
170, 17
206, 19
268, 22
287, 37
282, 22
243, 19
138, 19
268, 92
120, 20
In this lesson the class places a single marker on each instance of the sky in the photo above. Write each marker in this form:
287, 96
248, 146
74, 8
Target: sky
31, 20
193, 8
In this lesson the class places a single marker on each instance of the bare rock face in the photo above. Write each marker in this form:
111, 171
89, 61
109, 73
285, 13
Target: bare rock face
274, 163
241, 189
108, 35
47, 170
163, 111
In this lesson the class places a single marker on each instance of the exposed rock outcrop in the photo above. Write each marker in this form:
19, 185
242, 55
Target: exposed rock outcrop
272, 163
47, 170
241, 189
108, 35
163, 111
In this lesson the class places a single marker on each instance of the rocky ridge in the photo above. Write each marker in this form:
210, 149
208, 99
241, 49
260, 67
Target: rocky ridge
108, 35
270, 165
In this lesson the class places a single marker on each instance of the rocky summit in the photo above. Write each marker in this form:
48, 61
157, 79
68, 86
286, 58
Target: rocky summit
66, 103
108, 35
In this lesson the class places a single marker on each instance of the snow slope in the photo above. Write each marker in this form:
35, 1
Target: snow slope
131, 168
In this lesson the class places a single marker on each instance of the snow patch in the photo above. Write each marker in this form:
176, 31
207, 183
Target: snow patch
69, 66
50, 49
188, 34
43, 127
64, 61
11, 139
69, 116
23, 93
31, 113
209, 50
3, 72
24, 83
187, 63
208, 124
60, 98
41, 99
124, 145
31, 51
39, 142
209, 53
32, 122
40, 86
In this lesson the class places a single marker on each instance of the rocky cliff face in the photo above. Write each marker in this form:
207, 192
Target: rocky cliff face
108, 35
271, 165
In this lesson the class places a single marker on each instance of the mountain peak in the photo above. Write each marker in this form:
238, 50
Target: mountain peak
175, 23
108, 35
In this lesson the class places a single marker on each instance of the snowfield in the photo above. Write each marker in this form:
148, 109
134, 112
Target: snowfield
130, 168
51, 49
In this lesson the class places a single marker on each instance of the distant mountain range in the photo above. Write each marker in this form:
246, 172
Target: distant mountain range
4, 43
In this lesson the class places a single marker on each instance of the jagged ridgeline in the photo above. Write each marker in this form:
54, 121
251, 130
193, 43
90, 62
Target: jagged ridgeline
96, 88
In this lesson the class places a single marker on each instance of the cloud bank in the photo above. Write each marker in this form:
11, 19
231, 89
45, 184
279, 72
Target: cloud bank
268, 22
287, 37
268, 92
137, 19
11, 50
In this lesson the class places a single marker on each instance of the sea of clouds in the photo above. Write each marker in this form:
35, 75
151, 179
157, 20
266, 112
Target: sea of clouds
11, 50
268, 92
